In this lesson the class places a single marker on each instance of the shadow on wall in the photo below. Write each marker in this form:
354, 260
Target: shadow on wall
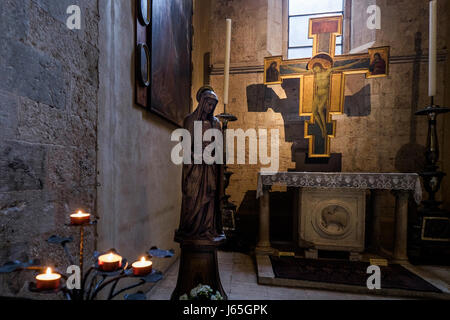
260, 98
411, 156
358, 105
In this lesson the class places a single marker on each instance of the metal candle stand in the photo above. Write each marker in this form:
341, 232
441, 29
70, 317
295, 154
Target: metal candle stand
94, 280
429, 235
228, 209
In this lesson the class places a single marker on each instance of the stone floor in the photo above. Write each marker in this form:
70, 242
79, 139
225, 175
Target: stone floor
238, 276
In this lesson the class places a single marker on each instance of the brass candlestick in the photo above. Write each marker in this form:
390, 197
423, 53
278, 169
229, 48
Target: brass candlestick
431, 175
227, 208
429, 233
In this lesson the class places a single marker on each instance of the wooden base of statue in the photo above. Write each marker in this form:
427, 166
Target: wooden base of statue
198, 265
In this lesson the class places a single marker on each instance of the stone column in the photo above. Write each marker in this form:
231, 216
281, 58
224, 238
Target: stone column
263, 246
401, 225
376, 224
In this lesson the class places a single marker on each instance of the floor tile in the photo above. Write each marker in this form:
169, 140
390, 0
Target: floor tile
239, 280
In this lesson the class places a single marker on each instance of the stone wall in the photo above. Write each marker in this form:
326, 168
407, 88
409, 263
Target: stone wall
48, 129
378, 131
139, 193
201, 45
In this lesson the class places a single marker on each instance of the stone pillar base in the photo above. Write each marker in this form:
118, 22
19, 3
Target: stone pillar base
265, 250
312, 254
355, 256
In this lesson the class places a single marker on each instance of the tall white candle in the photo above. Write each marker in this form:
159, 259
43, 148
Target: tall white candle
227, 64
432, 50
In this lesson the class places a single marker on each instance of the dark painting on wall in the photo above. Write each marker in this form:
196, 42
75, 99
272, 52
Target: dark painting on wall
171, 59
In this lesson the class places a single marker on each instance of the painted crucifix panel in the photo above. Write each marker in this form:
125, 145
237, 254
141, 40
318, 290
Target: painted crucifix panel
322, 80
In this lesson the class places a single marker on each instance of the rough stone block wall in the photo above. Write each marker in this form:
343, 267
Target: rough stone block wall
48, 130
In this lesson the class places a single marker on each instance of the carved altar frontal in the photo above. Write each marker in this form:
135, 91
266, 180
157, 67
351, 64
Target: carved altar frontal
332, 219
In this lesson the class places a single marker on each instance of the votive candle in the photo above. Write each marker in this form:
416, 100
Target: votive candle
142, 267
48, 280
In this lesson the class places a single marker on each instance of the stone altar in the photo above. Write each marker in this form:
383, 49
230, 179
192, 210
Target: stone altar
332, 219
401, 184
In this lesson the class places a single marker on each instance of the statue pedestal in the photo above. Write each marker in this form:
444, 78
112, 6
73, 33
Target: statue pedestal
198, 265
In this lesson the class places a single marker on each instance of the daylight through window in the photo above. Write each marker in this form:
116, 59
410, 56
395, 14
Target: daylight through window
300, 11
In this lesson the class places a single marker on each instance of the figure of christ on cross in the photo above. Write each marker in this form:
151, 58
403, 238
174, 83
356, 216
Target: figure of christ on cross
322, 79
321, 67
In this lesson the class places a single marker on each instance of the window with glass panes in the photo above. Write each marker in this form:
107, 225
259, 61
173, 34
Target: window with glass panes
300, 11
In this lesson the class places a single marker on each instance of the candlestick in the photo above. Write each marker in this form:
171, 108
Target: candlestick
227, 64
109, 262
432, 50
142, 267
80, 218
81, 257
48, 280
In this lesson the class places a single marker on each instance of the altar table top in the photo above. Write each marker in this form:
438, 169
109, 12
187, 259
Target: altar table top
340, 180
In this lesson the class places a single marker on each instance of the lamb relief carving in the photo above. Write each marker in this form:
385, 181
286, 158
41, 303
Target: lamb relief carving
334, 219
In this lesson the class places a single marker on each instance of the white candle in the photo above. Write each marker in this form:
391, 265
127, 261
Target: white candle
109, 262
227, 64
432, 50
48, 280
79, 218
142, 267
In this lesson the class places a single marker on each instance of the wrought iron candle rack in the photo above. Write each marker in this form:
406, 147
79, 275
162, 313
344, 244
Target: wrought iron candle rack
94, 280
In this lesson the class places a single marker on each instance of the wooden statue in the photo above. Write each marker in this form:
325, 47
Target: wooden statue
200, 231
200, 214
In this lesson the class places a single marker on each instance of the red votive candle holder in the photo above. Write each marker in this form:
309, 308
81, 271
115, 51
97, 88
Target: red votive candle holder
142, 267
48, 280
80, 218
109, 262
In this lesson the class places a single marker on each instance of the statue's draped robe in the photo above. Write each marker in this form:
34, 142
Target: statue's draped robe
200, 188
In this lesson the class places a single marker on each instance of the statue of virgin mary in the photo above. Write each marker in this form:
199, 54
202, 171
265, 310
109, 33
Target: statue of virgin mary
200, 215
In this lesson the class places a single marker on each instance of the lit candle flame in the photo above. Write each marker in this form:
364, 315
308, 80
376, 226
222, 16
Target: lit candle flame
80, 214
142, 266
48, 280
111, 257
